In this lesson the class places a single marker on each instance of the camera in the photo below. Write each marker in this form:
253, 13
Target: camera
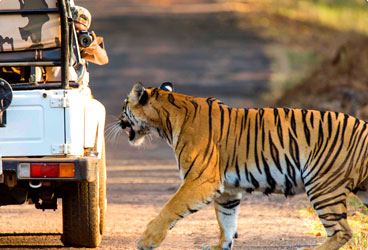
85, 38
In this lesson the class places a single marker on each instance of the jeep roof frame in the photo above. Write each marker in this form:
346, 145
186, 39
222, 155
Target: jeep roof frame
50, 57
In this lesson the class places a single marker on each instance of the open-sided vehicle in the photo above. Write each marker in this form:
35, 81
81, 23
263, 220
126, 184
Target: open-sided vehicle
51, 127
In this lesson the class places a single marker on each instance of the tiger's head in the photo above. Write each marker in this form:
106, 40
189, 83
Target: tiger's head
137, 116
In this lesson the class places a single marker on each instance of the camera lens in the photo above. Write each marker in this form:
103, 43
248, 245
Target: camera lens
85, 39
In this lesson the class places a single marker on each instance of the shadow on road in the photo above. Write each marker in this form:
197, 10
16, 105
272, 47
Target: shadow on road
27, 234
30, 240
30, 246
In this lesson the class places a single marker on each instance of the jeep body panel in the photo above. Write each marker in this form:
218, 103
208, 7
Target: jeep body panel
52, 122
33, 125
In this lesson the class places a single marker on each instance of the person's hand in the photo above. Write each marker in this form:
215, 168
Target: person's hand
95, 53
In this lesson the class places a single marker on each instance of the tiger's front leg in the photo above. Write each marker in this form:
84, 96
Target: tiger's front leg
191, 196
227, 208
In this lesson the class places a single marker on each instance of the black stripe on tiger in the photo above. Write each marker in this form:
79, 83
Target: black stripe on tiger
305, 126
329, 122
256, 144
221, 121
195, 105
248, 138
181, 151
293, 123
172, 101
263, 134
290, 170
243, 121
279, 131
168, 125
186, 119
270, 180
237, 173
155, 93
294, 150
254, 181
234, 153
311, 119
191, 165
229, 204
276, 115
331, 201
192, 211
206, 165
288, 190
209, 103
229, 125
275, 153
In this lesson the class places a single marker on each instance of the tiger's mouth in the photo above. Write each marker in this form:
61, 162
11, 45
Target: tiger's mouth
131, 133
128, 129
136, 133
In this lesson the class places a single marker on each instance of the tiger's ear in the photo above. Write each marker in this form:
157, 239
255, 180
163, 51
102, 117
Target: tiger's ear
139, 94
167, 86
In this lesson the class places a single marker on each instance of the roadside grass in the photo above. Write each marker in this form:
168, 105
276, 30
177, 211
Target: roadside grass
357, 218
341, 15
303, 34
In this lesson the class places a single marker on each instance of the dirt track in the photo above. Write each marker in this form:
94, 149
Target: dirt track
204, 55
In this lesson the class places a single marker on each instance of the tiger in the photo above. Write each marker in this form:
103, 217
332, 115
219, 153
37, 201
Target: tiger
223, 153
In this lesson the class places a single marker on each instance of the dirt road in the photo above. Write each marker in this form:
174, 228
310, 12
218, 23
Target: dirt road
203, 54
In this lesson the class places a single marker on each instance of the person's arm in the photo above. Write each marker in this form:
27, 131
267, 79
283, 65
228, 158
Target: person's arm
95, 53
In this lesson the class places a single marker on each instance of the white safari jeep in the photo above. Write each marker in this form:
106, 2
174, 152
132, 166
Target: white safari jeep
51, 128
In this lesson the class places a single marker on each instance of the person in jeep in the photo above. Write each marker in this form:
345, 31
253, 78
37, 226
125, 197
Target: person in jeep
95, 52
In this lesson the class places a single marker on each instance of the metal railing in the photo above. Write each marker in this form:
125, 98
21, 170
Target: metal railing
48, 57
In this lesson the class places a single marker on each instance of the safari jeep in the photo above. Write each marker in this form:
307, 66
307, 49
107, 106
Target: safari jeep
51, 128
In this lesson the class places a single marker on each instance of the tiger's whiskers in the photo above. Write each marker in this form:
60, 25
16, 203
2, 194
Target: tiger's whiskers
113, 131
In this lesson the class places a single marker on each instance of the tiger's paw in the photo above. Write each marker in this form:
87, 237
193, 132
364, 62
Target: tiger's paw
151, 237
145, 244
142, 245
213, 247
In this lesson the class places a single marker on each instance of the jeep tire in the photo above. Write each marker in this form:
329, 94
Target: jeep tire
84, 209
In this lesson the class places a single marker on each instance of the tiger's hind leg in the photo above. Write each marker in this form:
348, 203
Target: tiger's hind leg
227, 208
331, 210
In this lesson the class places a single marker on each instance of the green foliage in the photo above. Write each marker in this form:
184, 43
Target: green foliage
343, 15
341, 3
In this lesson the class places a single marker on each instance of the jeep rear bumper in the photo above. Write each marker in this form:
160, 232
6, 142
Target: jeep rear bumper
86, 168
